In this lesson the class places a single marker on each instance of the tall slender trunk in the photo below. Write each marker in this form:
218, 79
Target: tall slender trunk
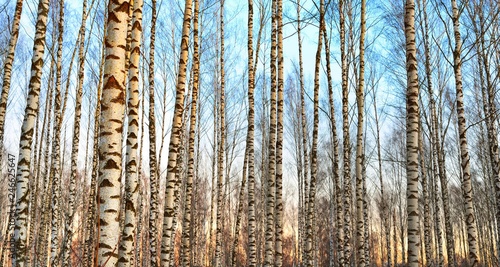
437, 212
153, 171
175, 138
44, 142
314, 151
110, 133
55, 166
346, 140
34, 208
271, 180
214, 174
464, 150
279, 140
412, 115
450, 240
252, 255
305, 172
76, 141
425, 195
186, 226
252, 250
222, 146
490, 111
434, 136
7, 69
335, 159
360, 157
47, 183
24, 160
239, 210
128, 239
88, 251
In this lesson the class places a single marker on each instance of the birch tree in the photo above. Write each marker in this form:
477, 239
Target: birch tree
7, 68
186, 226
464, 151
110, 133
314, 150
175, 137
252, 250
360, 158
128, 239
30, 115
55, 171
412, 118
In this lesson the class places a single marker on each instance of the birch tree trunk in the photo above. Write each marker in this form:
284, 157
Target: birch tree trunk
222, 146
55, 166
360, 157
346, 140
7, 69
271, 179
188, 197
305, 171
153, 171
128, 239
175, 138
30, 114
279, 140
489, 108
464, 150
437, 158
88, 251
252, 250
110, 133
433, 133
48, 179
314, 151
76, 141
412, 118
425, 195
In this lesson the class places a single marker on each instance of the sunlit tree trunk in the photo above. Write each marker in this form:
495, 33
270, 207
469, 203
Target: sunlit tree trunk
412, 119
128, 240
188, 197
27, 131
7, 68
335, 159
314, 150
360, 157
464, 150
433, 132
271, 179
153, 168
76, 141
305, 170
222, 147
47, 182
437, 158
425, 195
175, 138
110, 134
88, 251
279, 140
55, 171
252, 250
480, 28
346, 141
